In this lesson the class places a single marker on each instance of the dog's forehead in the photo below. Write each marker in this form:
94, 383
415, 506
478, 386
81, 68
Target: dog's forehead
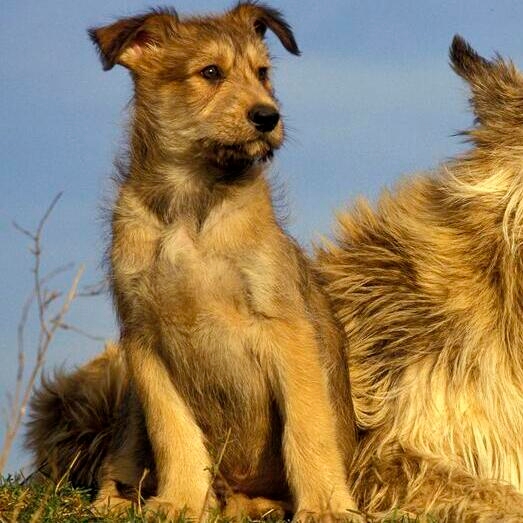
233, 51
222, 36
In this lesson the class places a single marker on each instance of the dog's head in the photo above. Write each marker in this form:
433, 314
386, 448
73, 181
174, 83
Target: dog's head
497, 97
202, 84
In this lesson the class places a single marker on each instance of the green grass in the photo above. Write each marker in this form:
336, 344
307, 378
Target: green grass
50, 503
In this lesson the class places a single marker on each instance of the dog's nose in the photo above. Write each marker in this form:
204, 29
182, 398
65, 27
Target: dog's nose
264, 117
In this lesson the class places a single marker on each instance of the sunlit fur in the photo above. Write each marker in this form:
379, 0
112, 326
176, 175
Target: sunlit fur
428, 284
236, 367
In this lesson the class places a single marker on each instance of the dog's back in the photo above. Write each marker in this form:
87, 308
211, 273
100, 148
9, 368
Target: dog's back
429, 288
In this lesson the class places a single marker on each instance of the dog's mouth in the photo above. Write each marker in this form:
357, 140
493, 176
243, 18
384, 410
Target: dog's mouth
238, 157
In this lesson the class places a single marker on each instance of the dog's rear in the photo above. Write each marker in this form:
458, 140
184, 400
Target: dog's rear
73, 418
429, 287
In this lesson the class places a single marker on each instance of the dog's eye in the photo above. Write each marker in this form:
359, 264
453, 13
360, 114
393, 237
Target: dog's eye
263, 73
212, 72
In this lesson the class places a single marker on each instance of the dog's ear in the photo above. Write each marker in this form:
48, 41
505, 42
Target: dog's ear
263, 17
466, 62
497, 94
129, 40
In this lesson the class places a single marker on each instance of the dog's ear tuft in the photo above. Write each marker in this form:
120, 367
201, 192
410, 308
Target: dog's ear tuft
264, 17
126, 41
273, 19
496, 88
466, 62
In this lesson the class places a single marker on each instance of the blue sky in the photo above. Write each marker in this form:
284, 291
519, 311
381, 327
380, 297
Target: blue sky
371, 98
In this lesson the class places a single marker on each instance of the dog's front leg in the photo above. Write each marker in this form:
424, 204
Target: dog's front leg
183, 465
315, 466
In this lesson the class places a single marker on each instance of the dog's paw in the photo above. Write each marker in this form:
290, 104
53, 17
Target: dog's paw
346, 516
114, 505
329, 507
239, 507
160, 509
157, 509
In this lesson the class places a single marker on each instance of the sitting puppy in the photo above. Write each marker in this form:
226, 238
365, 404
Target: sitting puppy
235, 366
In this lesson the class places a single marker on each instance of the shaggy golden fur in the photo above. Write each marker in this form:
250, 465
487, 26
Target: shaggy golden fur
429, 288
233, 354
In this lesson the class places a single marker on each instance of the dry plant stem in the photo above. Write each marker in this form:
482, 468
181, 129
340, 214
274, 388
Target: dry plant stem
65, 476
140, 484
17, 509
214, 473
47, 330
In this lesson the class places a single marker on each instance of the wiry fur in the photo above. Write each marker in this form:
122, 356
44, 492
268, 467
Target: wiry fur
429, 288
233, 354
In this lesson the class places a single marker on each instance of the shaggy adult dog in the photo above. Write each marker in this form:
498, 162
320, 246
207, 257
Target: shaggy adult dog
234, 358
429, 288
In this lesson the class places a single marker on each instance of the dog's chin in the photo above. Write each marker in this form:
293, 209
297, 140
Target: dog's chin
235, 159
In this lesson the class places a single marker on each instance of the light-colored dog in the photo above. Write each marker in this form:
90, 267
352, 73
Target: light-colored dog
233, 358
429, 288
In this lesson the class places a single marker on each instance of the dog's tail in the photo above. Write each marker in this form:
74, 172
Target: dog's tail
73, 418
427, 488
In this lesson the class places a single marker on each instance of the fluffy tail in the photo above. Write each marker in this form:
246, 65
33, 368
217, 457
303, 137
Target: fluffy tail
73, 418
428, 489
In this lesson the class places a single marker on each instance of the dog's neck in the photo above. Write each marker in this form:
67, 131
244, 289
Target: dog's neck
177, 178
173, 189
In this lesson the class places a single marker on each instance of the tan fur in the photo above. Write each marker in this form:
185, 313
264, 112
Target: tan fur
232, 350
429, 288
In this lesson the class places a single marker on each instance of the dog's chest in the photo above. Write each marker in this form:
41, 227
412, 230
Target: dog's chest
214, 275
218, 348
213, 301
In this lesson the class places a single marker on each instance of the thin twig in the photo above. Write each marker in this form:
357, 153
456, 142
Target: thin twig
20, 407
56, 272
47, 330
47, 213
96, 289
25, 232
21, 353
77, 330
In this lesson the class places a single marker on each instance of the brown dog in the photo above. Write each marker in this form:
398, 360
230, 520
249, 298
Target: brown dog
234, 357
429, 287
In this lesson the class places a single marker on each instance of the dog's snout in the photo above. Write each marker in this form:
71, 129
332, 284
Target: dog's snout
264, 117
